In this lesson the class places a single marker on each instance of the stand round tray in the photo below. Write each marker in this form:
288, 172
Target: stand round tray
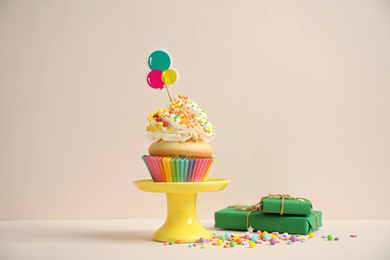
181, 223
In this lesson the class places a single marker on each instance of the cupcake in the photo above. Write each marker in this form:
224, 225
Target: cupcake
180, 151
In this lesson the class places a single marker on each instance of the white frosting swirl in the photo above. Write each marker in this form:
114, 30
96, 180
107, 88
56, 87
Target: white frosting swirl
182, 121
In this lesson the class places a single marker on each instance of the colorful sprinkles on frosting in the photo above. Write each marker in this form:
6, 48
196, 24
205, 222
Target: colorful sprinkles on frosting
182, 113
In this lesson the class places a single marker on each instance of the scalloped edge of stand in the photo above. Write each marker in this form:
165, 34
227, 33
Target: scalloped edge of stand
209, 185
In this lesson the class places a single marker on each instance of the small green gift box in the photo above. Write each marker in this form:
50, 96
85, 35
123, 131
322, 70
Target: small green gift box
285, 204
232, 218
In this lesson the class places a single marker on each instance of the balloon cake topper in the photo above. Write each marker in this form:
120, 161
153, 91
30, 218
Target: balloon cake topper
161, 73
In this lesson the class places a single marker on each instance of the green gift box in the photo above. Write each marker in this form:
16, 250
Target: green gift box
290, 206
231, 218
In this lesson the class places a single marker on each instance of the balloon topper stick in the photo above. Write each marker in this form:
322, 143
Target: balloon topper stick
161, 73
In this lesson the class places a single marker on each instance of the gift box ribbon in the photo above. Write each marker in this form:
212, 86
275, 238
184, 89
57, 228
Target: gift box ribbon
258, 205
280, 196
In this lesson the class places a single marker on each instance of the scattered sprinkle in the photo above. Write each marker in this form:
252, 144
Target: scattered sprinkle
293, 238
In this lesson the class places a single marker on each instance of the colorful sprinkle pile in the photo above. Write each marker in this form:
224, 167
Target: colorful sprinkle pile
230, 240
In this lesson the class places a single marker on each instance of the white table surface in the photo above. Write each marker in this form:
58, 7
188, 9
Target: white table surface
131, 239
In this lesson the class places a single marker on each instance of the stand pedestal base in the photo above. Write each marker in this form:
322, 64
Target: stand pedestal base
181, 223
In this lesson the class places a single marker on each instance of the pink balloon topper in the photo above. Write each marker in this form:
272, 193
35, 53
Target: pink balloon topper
154, 79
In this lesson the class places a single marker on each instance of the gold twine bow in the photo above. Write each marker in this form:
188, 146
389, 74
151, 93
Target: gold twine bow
258, 205
251, 208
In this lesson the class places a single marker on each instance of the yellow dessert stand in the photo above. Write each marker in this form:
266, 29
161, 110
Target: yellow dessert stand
181, 223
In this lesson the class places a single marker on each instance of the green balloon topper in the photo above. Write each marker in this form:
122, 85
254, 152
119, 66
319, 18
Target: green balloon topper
159, 60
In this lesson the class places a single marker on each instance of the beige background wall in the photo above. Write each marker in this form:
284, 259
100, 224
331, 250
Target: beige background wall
299, 92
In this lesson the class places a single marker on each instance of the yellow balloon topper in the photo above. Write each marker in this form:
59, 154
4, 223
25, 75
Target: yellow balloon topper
169, 76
